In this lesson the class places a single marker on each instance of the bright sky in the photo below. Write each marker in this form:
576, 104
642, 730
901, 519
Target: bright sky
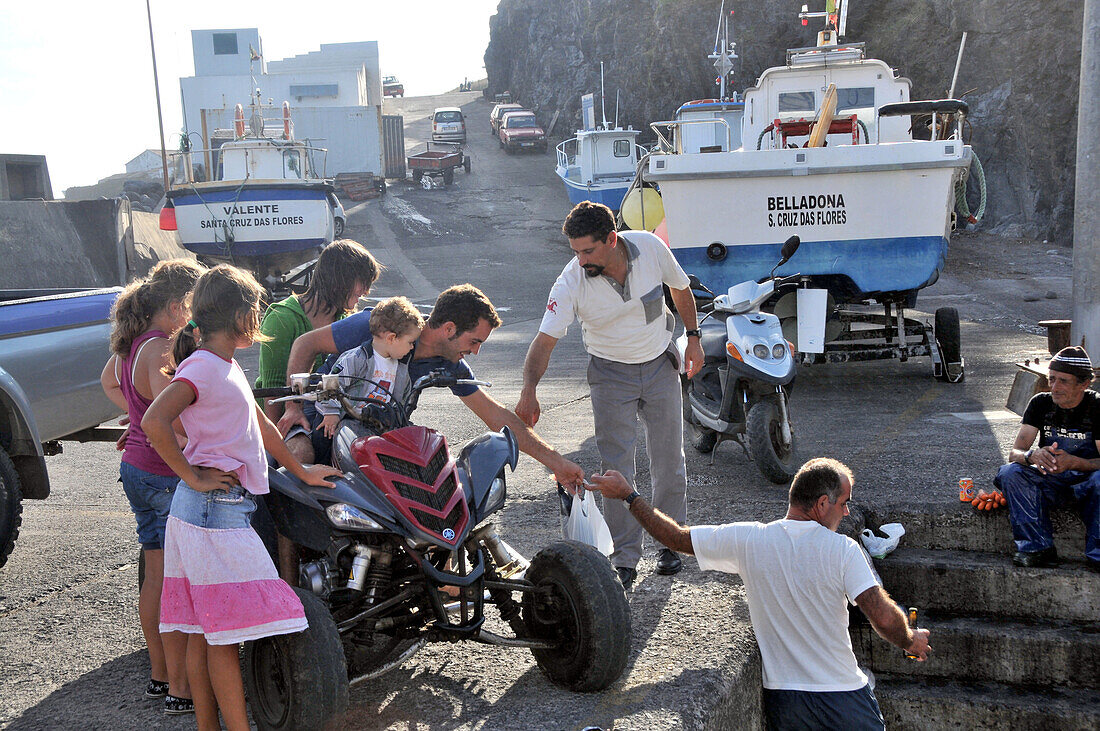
76, 81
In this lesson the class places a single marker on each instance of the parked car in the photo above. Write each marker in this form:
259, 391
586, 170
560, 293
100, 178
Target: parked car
339, 218
520, 130
392, 87
53, 344
498, 112
448, 125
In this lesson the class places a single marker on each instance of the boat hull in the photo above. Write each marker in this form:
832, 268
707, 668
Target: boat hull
286, 224
609, 194
874, 220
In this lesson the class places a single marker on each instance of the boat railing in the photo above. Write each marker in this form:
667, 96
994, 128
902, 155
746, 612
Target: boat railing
941, 111
567, 159
182, 162
668, 147
815, 54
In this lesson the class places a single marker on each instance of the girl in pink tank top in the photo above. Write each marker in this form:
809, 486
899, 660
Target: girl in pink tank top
143, 316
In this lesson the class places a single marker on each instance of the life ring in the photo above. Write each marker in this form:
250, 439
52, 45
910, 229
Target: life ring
238, 121
286, 120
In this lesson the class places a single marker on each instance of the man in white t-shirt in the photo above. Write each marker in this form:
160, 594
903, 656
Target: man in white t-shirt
615, 287
799, 575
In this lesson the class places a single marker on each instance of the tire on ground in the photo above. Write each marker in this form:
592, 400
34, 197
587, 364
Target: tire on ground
448, 176
11, 506
701, 438
299, 680
588, 613
949, 336
762, 430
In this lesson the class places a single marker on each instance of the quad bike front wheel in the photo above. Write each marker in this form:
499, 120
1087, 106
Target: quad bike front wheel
580, 603
300, 680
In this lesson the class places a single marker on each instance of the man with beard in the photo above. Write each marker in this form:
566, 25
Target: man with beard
614, 287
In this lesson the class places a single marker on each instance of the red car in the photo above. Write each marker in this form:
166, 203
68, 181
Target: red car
520, 130
392, 87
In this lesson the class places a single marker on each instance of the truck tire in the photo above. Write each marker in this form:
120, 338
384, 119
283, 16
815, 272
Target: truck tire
300, 680
11, 506
579, 602
775, 462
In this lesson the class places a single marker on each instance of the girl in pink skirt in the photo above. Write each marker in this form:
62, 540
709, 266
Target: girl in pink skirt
220, 585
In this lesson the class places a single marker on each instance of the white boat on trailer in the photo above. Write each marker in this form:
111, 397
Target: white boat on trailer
267, 208
829, 154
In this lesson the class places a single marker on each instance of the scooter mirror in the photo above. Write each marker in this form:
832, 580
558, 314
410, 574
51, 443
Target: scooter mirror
789, 247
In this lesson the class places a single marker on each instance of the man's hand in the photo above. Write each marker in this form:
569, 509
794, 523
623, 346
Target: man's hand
693, 357
1064, 461
919, 646
612, 484
528, 409
292, 415
569, 474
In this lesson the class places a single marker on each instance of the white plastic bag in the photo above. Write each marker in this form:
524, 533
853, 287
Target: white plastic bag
584, 522
880, 547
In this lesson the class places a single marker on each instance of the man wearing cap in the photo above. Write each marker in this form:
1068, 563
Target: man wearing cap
1063, 470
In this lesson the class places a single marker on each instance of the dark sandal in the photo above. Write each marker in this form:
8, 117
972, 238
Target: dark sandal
156, 689
176, 706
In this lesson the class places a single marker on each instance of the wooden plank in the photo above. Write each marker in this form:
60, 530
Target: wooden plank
824, 118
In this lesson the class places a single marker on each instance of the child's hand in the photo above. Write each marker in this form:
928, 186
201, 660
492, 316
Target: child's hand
315, 474
329, 423
213, 479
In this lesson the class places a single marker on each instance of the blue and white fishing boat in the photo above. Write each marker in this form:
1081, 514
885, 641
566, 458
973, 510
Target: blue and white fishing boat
600, 162
267, 208
829, 154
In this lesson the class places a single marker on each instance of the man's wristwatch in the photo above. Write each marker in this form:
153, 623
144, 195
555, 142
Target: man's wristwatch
629, 499
696, 332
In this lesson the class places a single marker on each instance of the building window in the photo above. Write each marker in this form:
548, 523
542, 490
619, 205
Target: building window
314, 90
225, 44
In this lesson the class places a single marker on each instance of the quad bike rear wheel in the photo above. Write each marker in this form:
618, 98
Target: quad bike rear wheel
579, 602
299, 680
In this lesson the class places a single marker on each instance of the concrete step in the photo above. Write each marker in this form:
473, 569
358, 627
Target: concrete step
1022, 652
971, 582
958, 526
932, 705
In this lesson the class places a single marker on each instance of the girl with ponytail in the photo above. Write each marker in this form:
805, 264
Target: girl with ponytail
220, 585
144, 315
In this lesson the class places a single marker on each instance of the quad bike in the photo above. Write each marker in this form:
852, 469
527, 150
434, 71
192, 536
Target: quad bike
401, 553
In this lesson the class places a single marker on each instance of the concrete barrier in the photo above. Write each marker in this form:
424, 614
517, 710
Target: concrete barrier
98, 243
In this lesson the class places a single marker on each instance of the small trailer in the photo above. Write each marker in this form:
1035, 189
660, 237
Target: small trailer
437, 160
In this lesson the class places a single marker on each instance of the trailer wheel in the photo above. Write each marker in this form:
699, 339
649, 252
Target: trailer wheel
948, 337
448, 176
466, 164
11, 506
417, 175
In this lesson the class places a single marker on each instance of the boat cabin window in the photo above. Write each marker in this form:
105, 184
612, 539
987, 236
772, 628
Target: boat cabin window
292, 164
855, 98
622, 148
796, 101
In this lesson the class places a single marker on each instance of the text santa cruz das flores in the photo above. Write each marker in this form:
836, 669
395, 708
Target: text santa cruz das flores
807, 210
252, 214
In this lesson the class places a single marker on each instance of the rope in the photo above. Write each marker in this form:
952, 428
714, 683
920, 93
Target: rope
766, 130
866, 137
960, 195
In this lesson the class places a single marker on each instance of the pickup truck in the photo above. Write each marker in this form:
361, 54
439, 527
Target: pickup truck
521, 131
53, 344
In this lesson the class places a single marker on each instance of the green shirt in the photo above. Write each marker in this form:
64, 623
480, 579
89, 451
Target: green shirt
283, 322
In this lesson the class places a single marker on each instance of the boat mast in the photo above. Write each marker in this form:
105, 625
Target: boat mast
603, 102
156, 87
724, 52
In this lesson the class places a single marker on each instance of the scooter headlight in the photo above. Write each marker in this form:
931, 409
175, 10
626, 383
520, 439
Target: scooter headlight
777, 351
760, 351
343, 515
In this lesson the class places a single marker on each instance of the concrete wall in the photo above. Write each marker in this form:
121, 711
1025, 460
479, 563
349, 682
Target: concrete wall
147, 160
207, 63
24, 176
97, 243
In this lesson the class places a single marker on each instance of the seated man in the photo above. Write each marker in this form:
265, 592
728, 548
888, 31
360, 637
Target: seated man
461, 321
1063, 470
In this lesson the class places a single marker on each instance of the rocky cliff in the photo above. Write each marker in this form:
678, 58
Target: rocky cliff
1019, 73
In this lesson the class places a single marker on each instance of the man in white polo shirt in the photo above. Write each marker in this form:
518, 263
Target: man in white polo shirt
614, 286
799, 576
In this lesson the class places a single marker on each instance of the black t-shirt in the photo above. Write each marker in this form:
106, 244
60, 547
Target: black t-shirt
1075, 430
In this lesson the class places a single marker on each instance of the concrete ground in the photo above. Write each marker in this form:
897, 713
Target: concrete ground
72, 651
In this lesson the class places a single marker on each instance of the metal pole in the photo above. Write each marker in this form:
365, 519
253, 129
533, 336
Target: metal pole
156, 88
1086, 205
958, 62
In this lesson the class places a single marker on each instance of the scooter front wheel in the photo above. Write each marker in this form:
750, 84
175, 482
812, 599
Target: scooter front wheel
775, 459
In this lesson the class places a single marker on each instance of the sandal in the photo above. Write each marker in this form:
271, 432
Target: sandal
176, 706
156, 689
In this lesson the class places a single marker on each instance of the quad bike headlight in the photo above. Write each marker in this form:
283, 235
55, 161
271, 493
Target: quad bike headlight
343, 515
495, 498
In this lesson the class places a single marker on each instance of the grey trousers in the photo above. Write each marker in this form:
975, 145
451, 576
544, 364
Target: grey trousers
621, 394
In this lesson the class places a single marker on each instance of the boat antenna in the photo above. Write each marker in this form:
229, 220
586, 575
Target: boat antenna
724, 52
603, 102
156, 88
616, 109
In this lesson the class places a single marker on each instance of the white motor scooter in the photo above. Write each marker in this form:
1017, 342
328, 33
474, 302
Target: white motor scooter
743, 390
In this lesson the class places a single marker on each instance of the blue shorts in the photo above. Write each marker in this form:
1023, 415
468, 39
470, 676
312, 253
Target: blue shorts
231, 508
150, 498
803, 710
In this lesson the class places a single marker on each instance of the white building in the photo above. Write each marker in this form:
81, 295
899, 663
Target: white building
147, 160
335, 95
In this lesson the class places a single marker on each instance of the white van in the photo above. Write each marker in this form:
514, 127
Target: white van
448, 125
